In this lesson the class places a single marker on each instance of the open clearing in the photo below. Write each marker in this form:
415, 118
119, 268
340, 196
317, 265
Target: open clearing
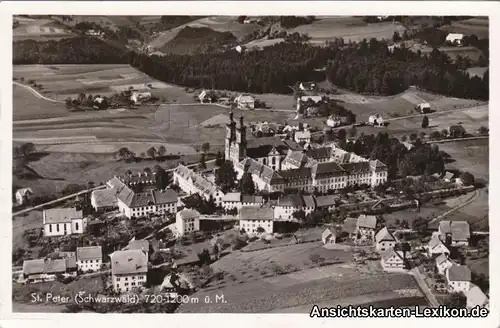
292, 290
27, 106
478, 26
469, 155
349, 28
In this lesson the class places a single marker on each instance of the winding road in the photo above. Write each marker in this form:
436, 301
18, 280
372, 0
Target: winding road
34, 92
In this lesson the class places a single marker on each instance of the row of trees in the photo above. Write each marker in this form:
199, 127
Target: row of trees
369, 67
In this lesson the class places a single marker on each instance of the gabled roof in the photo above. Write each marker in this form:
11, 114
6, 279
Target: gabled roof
104, 197
232, 197
435, 242
88, 253
384, 235
319, 153
140, 244
459, 273
302, 134
308, 201
129, 262
328, 233
294, 200
327, 200
441, 259
315, 99
378, 165
252, 199
44, 266
367, 221
24, 191
296, 158
459, 230
188, 213
256, 213
350, 225
327, 168
164, 196
61, 215
355, 168
390, 253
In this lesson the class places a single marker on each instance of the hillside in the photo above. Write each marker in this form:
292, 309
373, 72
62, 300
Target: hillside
191, 40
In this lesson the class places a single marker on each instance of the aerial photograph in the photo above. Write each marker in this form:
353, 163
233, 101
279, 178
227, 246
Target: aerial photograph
249, 164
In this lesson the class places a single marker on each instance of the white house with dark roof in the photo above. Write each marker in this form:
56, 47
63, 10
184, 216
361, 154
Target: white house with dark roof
307, 86
63, 221
443, 263
392, 259
476, 297
187, 221
456, 233
436, 246
326, 202
89, 258
329, 236
366, 226
455, 38
245, 101
302, 136
287, 205
195, 183
458, 278
384, 240
237, 200
23, 195
253, 217
129, 270
41, 270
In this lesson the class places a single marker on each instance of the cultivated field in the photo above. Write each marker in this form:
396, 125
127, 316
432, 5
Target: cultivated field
28, 106
349, 28
478, 26
469, 155
39, 29
216, 23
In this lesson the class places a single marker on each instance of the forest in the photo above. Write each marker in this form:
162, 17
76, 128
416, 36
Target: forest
77, 50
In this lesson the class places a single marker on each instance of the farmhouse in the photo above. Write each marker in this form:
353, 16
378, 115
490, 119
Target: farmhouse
142, 180
302, 136
104, 200
128, 270
41, 270
187, 221
376, 120
326, 202
195, 183
205, 97
245, 101
335, 121
476, 297
436, 246
455, 38
329, 236
366, 226
454, 233
424, 108
350, 226
287, 205
23, 195
392, 259
63, 221
307, 86
89, 258
443, 263
458, 278
384, 240
308, 101
252, 218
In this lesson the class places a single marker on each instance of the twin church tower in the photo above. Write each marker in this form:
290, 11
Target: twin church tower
236, 140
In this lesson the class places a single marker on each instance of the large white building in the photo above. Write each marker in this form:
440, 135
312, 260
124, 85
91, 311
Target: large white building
187, 221
63, 221
132, 204
128, 270
89, 258
195, 183
254, 217
237, 200
458, 278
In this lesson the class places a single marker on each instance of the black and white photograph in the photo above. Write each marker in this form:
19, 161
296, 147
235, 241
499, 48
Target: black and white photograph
282, 164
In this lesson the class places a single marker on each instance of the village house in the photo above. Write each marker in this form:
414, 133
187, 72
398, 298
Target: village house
187, 221
23, 195
245, 101
436, 246
252, 217
302, 136
41, 270
309, 204
366, 226
454, 233
89, 258
307, 86
476, 297
326, 202
350, 226
443, 263
138, 244
329, 236
206, 97
376, 120
424, 108
384, 240
104, 200
140, 181
287, 205
458, 278
195, 183
455, 38
334, 121
456, 131
237, 200
128, 270
63, 221
392, 259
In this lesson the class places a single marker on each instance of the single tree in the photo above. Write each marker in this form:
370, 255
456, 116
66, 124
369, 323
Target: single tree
467, 178
260, 230
152, 152
341, 134
353, 132
425, 122
27, 149
147, 170
205, 147
483, 130
219, 160
247, 186
404, 138
162, 151
202, 165
225, 176
413, 136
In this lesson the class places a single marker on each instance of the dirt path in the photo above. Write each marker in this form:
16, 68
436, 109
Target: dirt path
425, 289
34, 92
456, 208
